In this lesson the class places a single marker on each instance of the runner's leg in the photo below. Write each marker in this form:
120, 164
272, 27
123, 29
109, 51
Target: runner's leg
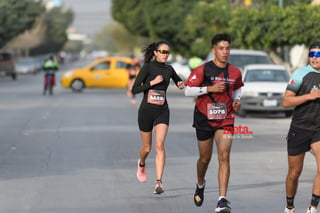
223, 148
161, 131
146, 138
295, 165
205, 153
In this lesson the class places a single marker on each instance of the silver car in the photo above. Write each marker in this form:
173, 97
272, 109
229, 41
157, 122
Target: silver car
26, 66
264, 87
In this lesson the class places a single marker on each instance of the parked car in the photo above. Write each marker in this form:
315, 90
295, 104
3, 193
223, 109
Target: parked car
242, 57
7, 64
108, 72
26, 66
264, 87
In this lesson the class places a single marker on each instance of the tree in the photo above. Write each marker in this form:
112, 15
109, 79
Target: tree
256, 27
130, 15
205, 20
189, 25
56, 22
116, 39
272, 27
156, 19
16, 17
29, 39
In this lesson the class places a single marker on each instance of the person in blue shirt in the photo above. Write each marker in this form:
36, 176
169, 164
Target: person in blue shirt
303, 93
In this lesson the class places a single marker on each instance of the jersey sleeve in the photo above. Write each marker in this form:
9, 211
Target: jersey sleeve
195, 78
296, 80
239, 83
175, 77
139, 84
236, 77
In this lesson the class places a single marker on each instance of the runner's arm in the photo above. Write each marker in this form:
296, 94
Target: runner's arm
290, 99
195, 91
236, 95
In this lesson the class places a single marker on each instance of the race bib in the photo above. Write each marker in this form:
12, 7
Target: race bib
132, 72
157, 97
216, 111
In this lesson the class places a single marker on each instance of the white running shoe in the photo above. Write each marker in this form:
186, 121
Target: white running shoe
311, 209
223, 206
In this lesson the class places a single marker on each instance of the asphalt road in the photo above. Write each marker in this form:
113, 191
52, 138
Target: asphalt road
77, 153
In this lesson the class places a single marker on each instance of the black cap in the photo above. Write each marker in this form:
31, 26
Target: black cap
315, 45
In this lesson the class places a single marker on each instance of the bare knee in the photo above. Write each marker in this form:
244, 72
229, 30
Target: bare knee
224, 157
205, 159
146, 148
295, 167
294, 174
160, 148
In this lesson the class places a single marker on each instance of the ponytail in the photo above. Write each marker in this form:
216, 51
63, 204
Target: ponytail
148, 52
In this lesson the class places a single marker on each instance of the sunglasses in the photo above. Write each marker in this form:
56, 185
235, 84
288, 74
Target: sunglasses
314, 54
164, 51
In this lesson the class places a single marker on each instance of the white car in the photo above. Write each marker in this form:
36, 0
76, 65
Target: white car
264, 86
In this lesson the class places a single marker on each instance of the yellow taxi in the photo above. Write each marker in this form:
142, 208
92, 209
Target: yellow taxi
107, 72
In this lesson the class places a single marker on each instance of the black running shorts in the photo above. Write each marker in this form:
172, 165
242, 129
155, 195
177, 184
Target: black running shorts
299, 140
148, 118
203, 135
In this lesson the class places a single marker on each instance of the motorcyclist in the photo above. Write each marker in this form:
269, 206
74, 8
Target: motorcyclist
49, 66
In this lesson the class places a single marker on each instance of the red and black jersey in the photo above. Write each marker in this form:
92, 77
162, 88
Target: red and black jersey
207, 75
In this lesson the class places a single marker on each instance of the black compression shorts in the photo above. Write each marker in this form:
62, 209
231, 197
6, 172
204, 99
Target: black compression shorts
148, 118
299, 140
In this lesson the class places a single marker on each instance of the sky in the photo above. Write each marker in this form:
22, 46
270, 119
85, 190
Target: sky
89, 15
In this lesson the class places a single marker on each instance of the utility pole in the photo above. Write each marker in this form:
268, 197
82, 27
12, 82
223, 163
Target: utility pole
280, 3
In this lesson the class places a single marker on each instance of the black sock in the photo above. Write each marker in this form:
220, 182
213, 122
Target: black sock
141, 165
290, 202
315, 200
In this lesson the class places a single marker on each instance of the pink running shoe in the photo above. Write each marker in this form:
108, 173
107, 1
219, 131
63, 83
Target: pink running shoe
141, 173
